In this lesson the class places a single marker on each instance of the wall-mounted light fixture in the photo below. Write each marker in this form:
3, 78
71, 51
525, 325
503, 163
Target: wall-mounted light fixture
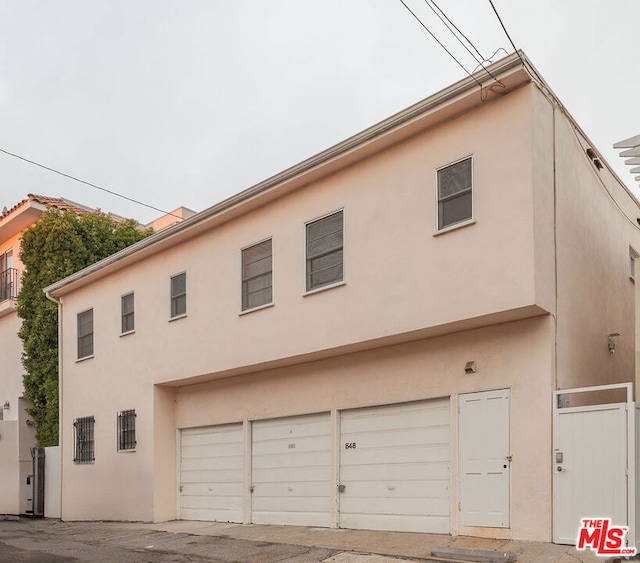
611, 343
7, 405
470, 367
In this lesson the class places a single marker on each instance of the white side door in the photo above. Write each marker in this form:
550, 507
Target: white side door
484, 465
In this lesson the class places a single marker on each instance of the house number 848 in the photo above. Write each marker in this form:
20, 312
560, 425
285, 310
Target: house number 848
350, 446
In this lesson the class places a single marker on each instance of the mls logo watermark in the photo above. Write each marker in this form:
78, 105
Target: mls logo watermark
599, 535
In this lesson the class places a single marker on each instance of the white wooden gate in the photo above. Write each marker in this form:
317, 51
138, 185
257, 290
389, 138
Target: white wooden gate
593, 463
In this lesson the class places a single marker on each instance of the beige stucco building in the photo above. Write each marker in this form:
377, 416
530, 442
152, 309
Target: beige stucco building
17, 436
369, 339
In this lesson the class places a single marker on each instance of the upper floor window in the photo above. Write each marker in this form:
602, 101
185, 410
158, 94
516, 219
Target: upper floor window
85, 334
84, 441
179, 295
127, 313
127, 430
455, 193
257, 275
325, 257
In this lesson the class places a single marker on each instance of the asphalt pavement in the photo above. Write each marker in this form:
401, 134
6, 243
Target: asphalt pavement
52, 541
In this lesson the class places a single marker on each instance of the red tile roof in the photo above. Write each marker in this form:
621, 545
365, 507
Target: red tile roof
57, 202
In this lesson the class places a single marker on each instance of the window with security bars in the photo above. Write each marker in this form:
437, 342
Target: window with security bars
85, 334
257, 275
455, 193
84, 440
325, 257
128, 319
127, 430
179, 295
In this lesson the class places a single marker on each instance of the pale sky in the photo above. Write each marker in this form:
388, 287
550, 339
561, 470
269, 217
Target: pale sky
188, 102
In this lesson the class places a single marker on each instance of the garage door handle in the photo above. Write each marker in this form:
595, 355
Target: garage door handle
252, 488
341, 488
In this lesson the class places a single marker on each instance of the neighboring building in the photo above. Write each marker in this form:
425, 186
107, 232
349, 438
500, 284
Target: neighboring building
370, 339
17, 437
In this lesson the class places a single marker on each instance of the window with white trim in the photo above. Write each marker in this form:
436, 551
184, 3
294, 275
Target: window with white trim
127, 430
85, 334
84, 440
257, 275
127, 312
179, 295
455, 197
324, 251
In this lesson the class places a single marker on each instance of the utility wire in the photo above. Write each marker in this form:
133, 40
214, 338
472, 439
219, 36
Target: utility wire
87, 183
507, 33
439, 43
448, 25
457, 29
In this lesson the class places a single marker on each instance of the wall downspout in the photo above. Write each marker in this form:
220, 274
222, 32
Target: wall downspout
60, 402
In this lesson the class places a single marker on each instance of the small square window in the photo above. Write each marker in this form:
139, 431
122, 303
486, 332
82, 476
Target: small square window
455, 201
84, 441
325, 255
85, 334
127, 430
179, 295
127, 312
257, 275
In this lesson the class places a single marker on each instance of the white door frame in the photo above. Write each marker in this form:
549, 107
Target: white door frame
631, 450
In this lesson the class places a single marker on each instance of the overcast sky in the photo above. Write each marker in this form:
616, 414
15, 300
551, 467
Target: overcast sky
188, 102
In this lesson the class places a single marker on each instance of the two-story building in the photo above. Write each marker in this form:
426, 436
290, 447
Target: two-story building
369, 339
17, 436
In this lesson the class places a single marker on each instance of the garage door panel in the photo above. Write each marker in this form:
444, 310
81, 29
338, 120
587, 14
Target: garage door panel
297, 443
397, 416
211, 473
207, 489
291, 470
404, 489
408, 471
297, 459
294, 489
396, 455
399, 437
395, 467
292, 518
317, 505
399, 506
212, 501
290, 474
210, 477
420, 524
221, 463
202, 450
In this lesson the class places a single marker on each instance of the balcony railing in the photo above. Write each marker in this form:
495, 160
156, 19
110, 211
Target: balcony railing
9, 281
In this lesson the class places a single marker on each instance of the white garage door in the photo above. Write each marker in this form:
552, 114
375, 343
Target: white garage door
291, 469
211, 473
395, 467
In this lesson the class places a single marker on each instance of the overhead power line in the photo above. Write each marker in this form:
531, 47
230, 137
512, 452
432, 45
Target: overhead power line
449, 25
507, 33
75, 179
439, 42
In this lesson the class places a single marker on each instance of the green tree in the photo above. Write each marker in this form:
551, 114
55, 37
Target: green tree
58, 245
